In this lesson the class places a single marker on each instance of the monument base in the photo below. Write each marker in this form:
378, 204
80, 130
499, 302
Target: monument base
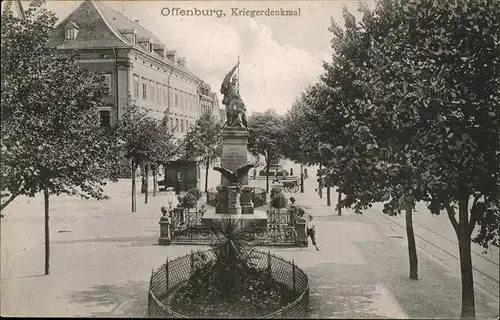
163, 241
257, 219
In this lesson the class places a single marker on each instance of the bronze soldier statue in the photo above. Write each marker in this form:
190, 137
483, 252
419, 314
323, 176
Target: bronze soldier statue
235, 108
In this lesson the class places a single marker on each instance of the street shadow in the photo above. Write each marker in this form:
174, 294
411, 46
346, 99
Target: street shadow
129, 300
23, 277
130, 241
350, 294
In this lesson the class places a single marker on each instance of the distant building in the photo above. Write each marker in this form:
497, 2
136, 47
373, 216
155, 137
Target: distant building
209, 103
222, 114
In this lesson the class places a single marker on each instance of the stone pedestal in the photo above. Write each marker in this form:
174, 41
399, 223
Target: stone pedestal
300, 229
246, 200
222, 199
233, 206
257, 219
165, 236
234, 151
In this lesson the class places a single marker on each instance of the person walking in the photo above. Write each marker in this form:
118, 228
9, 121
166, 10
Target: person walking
292, 210
311, 230
305, 173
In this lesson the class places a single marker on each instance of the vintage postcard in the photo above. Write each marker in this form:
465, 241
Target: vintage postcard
250, 159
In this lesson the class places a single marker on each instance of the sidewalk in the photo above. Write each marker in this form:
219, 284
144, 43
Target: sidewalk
362, 271
102, 268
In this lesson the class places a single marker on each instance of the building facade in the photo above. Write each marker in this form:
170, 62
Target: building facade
209, 103
137, 67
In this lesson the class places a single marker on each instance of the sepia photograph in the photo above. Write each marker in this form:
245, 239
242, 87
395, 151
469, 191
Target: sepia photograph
293, 159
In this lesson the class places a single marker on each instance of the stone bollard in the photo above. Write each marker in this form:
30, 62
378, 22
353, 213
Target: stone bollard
246, 200
165, 236
300, 229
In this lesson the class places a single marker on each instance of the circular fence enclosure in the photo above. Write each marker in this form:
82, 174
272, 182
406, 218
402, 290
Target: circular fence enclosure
166, 279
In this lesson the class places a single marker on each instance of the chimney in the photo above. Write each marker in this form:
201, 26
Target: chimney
182, 62
136, 21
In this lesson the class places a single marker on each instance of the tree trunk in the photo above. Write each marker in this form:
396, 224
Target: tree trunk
463, 234
47, 236
206, 175
328, 197
134, 171
468, 303
339, 199
301, 178
267, 177
155, 184
412, 249
320, 185
144, 177
146, 174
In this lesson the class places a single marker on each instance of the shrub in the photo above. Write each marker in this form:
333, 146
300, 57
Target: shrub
274, 191
196, 193
230, 285
188, 201
278, 199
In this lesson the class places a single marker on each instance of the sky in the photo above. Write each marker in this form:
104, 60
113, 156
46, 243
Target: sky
280, 56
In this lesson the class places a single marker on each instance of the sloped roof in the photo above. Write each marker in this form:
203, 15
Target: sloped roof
117, 20
95, 32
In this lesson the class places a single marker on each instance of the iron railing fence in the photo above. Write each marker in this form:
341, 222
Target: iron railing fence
166, 279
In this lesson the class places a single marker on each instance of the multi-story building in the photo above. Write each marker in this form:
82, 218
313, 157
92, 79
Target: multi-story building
222, 114
209, 103
137, 66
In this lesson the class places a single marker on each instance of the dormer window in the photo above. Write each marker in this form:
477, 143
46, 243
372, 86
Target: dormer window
150, 47
135, 39
71, 30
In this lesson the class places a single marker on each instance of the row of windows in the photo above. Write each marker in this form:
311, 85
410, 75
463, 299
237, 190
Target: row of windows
180, 125
159, 93
206, 109
167, 71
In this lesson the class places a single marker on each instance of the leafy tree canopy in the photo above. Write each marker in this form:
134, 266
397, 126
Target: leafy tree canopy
266, 134
204, 139
50, 134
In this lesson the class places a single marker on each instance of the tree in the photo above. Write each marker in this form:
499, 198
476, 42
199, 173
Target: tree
165, 147
337, 137
434, 82
143, 140
300, 125
50, 135
265, 136
205, 140
343, 140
